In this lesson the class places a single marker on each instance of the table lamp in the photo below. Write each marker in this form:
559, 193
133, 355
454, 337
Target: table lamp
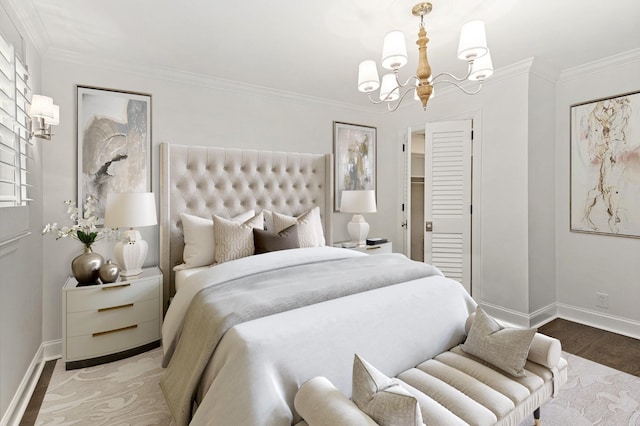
130, 210
358, 202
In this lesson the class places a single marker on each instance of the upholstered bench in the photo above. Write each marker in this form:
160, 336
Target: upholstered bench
453, 388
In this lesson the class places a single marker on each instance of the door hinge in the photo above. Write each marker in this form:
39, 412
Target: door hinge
472, 135
470, 208
402, 206
403, 148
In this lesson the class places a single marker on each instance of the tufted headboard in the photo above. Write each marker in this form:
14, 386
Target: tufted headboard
203, 181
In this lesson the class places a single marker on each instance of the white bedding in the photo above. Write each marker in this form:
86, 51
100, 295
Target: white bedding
258, 366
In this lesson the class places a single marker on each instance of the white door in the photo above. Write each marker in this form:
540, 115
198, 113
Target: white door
447, 199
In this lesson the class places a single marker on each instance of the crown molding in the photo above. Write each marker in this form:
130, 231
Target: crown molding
30, 23
622, 59
199, 80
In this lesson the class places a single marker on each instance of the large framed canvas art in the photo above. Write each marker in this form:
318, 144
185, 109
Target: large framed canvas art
354, 150
114, 143
605, 166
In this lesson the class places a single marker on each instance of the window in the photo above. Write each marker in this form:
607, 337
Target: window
16, 148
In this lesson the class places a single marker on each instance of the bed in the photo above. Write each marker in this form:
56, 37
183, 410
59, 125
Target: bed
282, 317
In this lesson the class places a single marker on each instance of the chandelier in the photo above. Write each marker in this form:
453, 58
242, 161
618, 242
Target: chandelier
472, 48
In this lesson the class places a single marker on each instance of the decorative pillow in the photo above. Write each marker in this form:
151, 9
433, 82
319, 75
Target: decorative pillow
315, 219
266, 241
382, 398
234, 240
199, 243
505, 348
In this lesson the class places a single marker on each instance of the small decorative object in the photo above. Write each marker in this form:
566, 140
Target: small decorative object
109, 272
132, 210
84, 267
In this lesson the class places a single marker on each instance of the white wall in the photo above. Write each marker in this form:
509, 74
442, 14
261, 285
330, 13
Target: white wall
21, 267
587, 264
187, 109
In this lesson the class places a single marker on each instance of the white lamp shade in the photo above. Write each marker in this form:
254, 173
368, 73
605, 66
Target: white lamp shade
368, 79
394, 51
55, 120
363, 201
42, 107
130, 210
473, 41
482, 68
389, 90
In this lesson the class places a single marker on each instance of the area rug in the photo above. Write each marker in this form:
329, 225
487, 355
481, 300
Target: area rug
126, 393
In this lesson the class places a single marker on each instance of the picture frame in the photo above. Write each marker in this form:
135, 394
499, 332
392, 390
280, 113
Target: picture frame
114, 144
355, 153
605, 166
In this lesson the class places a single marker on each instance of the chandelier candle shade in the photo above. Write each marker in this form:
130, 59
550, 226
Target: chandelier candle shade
472, 48
130, 210
358, 202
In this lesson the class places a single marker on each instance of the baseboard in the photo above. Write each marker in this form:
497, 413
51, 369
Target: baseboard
600, 320
20, 400
506, 316
52, 349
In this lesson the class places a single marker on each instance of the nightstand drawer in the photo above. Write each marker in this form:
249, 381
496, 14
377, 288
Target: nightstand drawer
103, 296
112, 340
112, 317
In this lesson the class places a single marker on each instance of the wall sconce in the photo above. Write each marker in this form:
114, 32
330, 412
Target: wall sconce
45, 114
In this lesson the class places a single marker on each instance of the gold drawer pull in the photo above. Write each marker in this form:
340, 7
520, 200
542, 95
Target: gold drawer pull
102, 333
116, 286
373, 248
128, 305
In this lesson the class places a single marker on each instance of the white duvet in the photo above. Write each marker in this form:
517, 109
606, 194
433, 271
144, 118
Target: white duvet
258, 366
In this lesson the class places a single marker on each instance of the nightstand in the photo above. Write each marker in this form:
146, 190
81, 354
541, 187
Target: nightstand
376, 249
106, 322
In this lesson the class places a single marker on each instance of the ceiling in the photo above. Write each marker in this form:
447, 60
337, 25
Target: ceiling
313, 48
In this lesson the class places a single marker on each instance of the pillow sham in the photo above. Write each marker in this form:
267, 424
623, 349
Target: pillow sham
315, 218
199, 241
234, 240
382, 398
504, 348
266, 241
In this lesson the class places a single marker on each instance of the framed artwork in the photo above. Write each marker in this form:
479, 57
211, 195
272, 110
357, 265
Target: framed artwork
605, 166
354, 151
114, 144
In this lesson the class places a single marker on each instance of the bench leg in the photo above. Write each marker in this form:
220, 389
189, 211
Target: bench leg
536, 417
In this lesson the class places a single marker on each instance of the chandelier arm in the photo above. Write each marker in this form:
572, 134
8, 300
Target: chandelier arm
460, 79
416, 81
459, 86
386, 98
397, 105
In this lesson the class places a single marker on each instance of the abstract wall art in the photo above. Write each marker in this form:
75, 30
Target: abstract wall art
114, 143
605, 166
354, 150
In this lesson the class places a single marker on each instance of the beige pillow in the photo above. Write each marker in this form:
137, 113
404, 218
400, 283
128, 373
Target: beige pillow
314, 218
199, 242
382, 398
234, 240
505, 348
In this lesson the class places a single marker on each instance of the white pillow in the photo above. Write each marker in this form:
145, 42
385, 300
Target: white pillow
199, 242
234, 240
312, 216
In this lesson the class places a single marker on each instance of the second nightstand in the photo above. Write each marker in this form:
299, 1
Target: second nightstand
376, 249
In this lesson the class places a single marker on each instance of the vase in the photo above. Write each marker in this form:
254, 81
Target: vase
86, 267
109, 272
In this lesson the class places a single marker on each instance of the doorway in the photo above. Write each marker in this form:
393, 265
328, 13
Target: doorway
439, 197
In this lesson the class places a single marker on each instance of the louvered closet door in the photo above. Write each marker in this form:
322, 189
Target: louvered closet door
447, 242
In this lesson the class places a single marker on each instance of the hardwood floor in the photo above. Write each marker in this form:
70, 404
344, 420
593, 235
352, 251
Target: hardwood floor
611, 349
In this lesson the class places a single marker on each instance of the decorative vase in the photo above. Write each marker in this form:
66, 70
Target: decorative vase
86, 267
109, 272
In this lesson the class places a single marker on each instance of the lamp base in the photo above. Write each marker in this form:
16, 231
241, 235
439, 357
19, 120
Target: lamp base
131, 253
358, 229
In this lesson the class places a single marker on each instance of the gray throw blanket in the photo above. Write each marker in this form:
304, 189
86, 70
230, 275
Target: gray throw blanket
217, 308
